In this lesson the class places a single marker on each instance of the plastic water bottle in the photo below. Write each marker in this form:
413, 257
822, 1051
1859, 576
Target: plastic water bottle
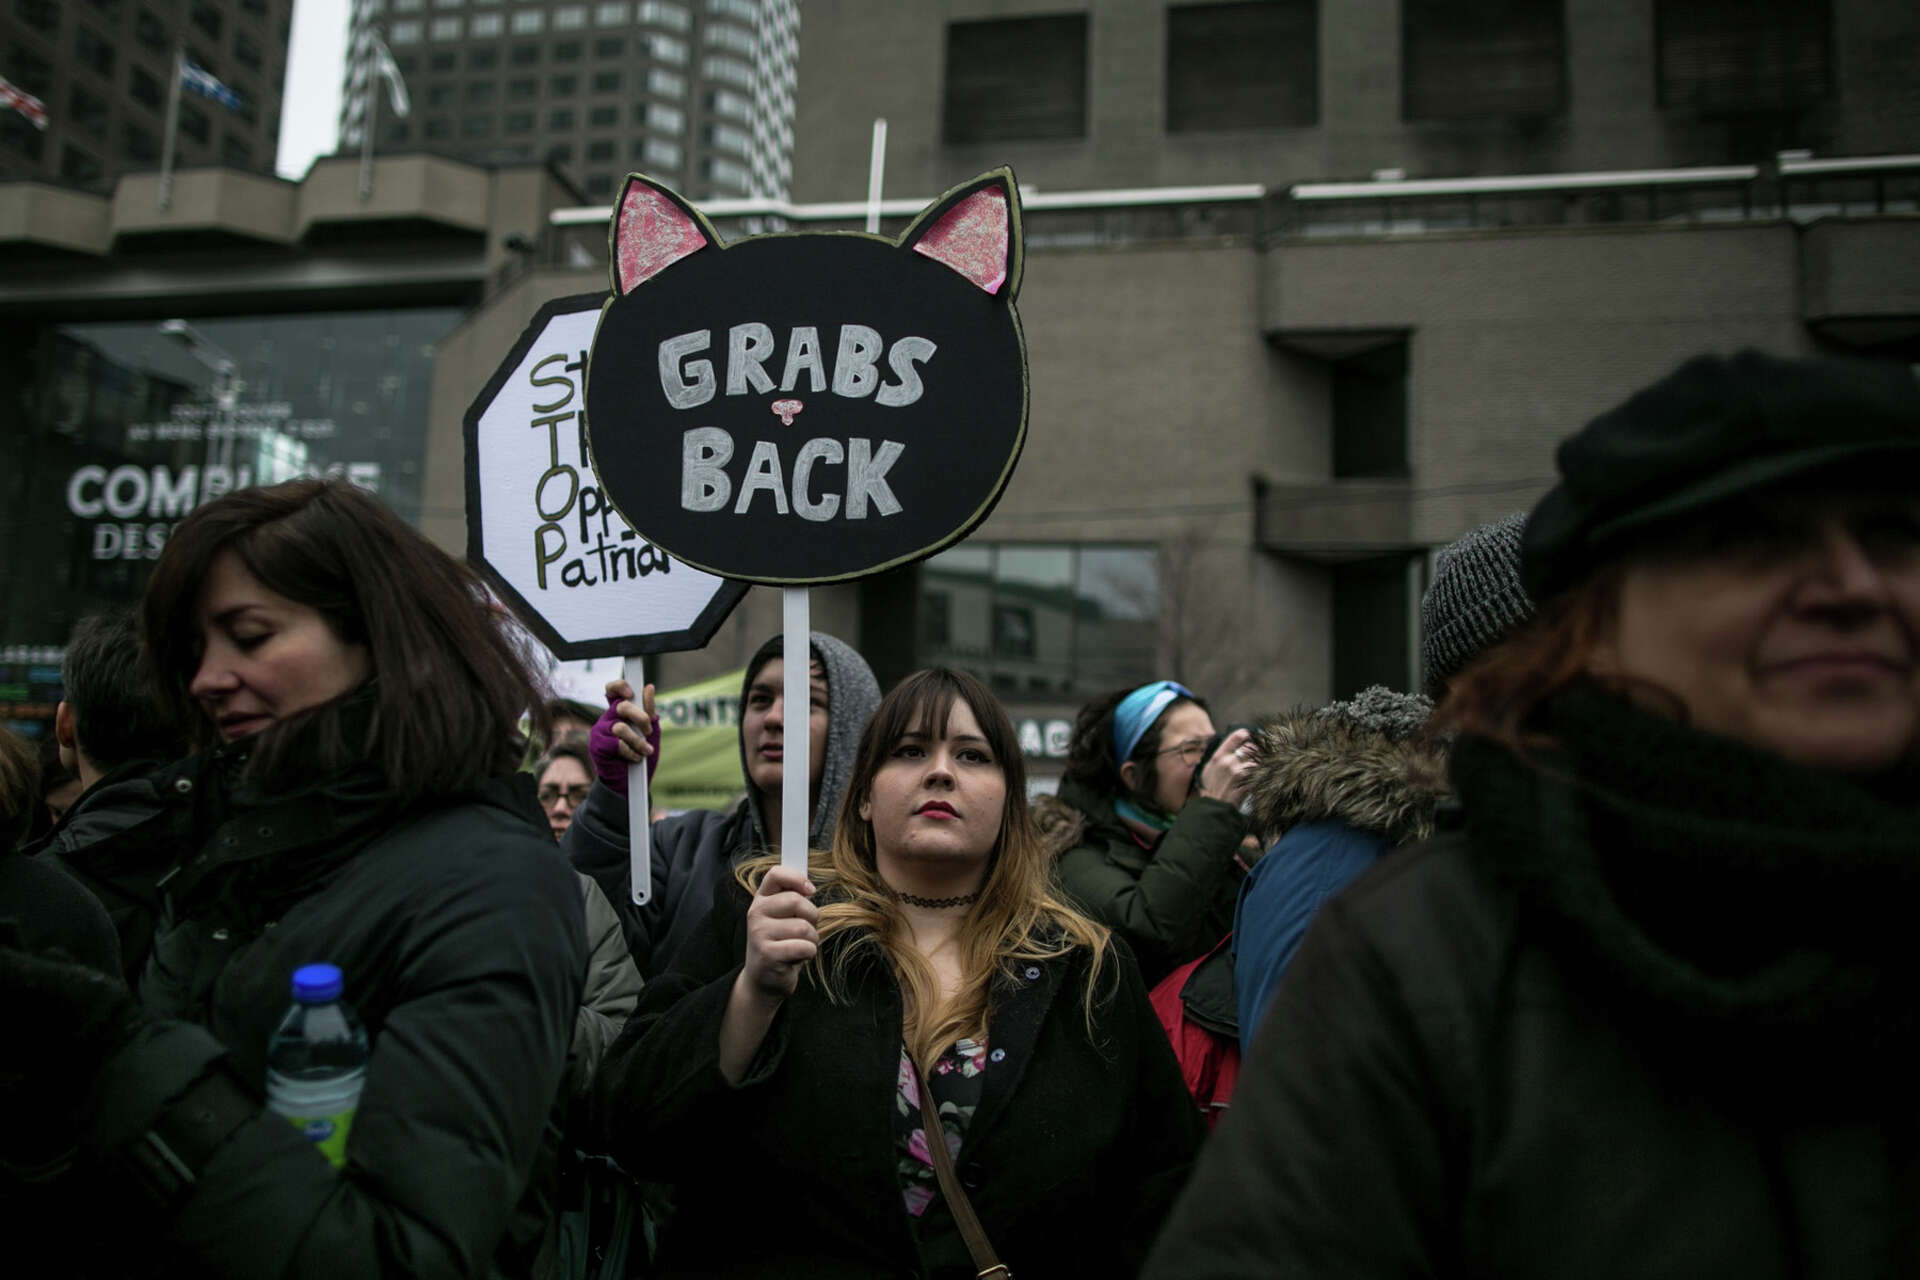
317, 1061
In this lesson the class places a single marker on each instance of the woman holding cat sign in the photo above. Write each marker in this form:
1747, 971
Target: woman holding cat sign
784, 1056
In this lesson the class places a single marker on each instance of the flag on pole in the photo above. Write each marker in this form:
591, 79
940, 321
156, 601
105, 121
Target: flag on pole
387, 69
207, 85
14, 98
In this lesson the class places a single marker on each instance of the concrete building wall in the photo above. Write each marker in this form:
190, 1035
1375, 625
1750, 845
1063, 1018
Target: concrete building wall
862, 59
1518, 338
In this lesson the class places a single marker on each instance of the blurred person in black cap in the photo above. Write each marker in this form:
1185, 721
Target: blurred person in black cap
1652, 1009
128, 826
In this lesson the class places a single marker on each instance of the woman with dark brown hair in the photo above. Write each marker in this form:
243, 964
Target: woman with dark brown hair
1147, 826
1651, 1009
790, 1056
359, 803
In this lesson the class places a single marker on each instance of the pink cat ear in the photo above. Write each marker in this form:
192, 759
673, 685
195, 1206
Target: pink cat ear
652, 230
975, 231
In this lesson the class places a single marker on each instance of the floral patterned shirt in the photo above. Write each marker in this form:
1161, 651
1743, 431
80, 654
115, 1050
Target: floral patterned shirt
956, 1084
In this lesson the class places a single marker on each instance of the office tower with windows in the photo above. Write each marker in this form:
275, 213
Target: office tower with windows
100, 71
698, 93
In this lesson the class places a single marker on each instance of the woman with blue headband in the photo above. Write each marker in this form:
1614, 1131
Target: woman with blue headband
1147, 824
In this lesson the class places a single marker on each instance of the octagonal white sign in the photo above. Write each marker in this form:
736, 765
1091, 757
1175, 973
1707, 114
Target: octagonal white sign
539, 527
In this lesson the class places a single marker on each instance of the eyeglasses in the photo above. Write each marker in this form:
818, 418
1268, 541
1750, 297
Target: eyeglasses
1189, 751
550, 795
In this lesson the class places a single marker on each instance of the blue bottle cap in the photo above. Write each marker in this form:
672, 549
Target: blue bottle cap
317, 983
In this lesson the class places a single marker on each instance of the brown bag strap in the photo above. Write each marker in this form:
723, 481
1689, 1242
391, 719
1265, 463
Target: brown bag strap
984, 1259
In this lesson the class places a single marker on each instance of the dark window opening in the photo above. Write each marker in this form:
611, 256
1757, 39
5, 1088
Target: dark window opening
397, 132
1476, 59
42, 15
560, 118
606, 82
1370, 414
612, 48
1243, 66
442, 62
600, 151
246, 50
207, 17
1016, 80
79, 167
18, 135
567, 51
482, 59
1734, 57
524, 55
520, 122
1371, 616
193, 122
563, 86
600, 185
604, 117
439, 127
148, 31
94, 51
476, 126
526, 87
29, 70
236, 151
89, 111
138, 143
480, 91
144, 88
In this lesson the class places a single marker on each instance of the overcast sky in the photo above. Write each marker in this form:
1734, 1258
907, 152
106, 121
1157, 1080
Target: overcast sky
316, 58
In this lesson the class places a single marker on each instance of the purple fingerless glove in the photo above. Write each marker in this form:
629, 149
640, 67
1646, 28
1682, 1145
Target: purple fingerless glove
608, 764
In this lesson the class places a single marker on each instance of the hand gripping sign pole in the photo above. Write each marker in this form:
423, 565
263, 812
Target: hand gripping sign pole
801, 409
540, 530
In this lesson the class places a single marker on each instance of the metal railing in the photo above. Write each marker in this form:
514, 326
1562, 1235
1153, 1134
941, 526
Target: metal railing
1793, 188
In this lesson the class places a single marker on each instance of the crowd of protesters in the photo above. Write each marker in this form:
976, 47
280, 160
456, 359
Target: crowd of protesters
1593, 956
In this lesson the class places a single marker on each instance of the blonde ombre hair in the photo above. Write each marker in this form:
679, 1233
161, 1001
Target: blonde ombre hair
1019, 918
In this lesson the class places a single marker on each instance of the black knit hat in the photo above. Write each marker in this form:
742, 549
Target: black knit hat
1713, 429
1474, 601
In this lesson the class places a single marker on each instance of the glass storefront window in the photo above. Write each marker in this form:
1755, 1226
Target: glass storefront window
1039, 619
116, 430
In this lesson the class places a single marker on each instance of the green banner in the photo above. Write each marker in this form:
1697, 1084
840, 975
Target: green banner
699, 744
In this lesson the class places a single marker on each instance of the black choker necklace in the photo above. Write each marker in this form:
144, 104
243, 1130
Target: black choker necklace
935, 904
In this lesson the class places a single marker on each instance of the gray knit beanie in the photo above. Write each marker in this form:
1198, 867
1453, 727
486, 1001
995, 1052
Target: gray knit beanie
1475, 599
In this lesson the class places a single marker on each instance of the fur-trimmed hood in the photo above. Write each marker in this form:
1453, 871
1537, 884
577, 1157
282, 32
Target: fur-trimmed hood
1316, 767
1061, 825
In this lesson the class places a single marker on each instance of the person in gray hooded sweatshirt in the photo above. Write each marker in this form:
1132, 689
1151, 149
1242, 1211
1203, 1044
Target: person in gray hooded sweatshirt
694, 852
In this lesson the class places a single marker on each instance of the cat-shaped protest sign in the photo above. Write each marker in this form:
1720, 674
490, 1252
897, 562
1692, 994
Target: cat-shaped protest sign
809, 407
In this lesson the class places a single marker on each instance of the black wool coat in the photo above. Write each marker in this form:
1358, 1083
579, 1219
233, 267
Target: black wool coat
1436, 1093
1077, 1148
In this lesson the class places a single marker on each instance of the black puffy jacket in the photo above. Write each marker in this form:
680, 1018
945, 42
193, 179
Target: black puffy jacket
458, 926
